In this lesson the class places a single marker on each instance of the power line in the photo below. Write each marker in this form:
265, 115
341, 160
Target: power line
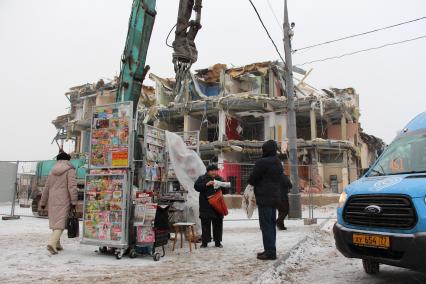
266, 30
360, 34
275, 15
362, 50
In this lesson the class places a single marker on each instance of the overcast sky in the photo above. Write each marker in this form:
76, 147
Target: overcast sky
48, 46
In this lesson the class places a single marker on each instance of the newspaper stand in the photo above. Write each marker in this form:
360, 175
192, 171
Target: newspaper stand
107, 196
116, 217
144, 239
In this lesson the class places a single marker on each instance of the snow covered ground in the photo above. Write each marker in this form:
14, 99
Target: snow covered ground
318, 261
24, 258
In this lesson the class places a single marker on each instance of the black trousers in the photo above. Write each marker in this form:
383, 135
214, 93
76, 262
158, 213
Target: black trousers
267, 222
282, 212
206, 228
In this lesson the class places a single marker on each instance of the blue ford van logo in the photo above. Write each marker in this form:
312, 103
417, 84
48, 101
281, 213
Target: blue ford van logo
373, 210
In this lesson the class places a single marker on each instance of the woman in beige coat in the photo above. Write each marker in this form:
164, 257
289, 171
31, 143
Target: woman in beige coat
60, 195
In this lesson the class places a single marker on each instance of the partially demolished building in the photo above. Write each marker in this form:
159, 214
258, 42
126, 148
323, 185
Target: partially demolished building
235, 110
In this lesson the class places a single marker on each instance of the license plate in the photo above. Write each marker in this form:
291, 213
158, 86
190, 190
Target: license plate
371, 241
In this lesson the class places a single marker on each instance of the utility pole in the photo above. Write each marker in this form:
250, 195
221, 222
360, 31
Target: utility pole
294, 195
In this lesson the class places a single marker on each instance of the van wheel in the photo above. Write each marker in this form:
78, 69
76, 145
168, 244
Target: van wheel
370, 267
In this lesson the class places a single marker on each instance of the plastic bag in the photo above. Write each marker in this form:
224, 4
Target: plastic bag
218, 203
249, 201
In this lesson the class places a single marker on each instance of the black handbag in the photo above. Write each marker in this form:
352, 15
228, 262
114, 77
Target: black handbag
73, 226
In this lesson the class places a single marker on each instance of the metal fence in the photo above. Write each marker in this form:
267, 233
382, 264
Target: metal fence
18, 188
320, 185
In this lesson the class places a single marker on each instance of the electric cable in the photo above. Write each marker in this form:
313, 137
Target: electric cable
361, 51
266, 30
275, 15
360, 34
167, 38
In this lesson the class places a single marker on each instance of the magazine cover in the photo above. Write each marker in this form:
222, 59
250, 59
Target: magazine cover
104, 209
111, 135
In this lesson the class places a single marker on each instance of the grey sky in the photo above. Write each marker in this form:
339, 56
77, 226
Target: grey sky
48, 46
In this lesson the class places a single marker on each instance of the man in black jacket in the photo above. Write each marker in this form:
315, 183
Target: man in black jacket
283, 209
267, 179
205, 186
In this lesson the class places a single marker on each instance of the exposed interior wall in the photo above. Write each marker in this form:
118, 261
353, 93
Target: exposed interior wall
337, 169
191, 123
281, 127
88, 105
334, 131
269, 125
365, 163
253, 128
352, 131
78, 111
105, 98
160, 95
304, 133
231, 129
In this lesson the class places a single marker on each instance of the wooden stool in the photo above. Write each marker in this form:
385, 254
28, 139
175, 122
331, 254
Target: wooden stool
180, 228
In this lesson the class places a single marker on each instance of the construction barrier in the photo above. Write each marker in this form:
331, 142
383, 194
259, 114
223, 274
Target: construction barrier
320, 187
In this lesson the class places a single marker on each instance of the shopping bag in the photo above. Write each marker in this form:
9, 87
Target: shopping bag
218, 203
73, 226
249, 201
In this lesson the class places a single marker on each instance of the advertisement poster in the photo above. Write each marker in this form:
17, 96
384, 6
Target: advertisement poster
110, 141
105, 207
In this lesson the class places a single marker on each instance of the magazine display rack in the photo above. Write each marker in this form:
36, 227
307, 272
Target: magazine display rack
105, 211
107, 192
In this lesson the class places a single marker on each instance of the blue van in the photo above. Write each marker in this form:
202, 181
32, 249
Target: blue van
381, 218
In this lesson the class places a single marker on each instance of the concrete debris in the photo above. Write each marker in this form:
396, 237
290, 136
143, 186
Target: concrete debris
243, 107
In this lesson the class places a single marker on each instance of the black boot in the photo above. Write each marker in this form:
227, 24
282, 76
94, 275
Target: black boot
281, 227
218, 245
266, 257
203, 245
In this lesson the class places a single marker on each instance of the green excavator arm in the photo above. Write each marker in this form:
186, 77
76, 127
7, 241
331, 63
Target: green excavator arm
133, 69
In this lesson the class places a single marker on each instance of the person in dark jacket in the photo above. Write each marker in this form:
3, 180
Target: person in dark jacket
283, 209
267, 179
205, 186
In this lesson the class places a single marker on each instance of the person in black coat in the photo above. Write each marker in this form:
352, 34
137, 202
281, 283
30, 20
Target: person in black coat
267, 177
205, 186
283, 209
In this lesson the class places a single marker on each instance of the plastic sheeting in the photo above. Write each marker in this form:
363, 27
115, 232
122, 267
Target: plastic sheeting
188, 166
249, 201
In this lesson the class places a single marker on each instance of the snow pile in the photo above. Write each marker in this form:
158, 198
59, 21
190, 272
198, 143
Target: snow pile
316, 260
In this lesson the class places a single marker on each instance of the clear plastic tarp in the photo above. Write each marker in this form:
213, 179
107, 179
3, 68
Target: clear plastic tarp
188, 166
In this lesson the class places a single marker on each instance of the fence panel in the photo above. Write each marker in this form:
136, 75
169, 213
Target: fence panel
320, 186
323, 188
18, 188
7, 186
